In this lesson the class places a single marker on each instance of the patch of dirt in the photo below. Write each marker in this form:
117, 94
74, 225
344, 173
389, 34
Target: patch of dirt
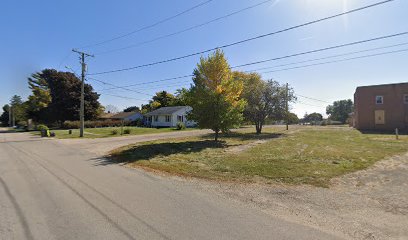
242, 148
369, 204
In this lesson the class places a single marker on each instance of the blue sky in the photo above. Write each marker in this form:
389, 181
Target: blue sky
40, 34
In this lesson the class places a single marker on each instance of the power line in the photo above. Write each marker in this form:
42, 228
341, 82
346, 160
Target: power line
175, 84
315, 99
124, 88
341, 60
186, 29
307, 104
150, 26
130, 98
328, 57
245, 40
284, 57
150, 82
322, 49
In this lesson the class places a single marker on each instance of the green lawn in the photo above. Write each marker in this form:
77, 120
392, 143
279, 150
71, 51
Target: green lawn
107, 132
306, 155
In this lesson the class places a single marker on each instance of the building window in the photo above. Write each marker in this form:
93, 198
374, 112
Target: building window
180, 118
379, 100
406, 98
156, 118
168, 118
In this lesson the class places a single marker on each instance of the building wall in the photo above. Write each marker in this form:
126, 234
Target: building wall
394, 107
173, 119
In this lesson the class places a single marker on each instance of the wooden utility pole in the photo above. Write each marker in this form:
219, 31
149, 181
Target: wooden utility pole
10, 116
82, 108
287, 106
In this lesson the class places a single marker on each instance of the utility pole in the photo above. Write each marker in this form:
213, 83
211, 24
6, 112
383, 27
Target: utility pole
82, 108
13, 116
10, 121
287, 106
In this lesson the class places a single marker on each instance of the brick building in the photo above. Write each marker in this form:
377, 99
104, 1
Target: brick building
381, 107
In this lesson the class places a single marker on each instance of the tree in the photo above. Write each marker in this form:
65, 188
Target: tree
164, 98
56, 97
111, 109
4, 117
265, 100
18, 109
215, 95
312, 118
161, 99
340, 110
293, 118
132, 109
180, 97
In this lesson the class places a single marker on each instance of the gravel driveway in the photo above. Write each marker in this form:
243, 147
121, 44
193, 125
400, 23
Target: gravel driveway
369, 204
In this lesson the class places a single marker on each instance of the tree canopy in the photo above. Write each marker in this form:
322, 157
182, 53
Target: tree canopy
56, 97
132, 109
265, 100
312, 118
161, 99
215, 95
340, 110
4, 117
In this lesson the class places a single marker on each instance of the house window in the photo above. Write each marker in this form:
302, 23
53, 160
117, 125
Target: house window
156, 118
379, 100
168, 118
406, 98
180, 118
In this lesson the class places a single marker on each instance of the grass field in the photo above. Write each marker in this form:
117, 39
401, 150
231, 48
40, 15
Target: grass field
306, 155
107, 132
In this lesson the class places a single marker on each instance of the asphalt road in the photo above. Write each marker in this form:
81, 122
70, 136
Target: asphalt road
52, 190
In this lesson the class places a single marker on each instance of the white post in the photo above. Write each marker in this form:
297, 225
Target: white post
396, 133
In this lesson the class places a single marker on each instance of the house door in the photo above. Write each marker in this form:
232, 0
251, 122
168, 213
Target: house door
379, 117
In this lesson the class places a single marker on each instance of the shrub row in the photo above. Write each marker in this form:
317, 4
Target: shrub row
99, 124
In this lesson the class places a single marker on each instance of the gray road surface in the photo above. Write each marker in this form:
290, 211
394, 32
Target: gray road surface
52, 190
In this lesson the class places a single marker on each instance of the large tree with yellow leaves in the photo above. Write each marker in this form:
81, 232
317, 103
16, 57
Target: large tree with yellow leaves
215, 95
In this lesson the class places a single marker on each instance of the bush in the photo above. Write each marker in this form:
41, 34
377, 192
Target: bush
180, 126
95, 124
127, 131
42, 127
114, 132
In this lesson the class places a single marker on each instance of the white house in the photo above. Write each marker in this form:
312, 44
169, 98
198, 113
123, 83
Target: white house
169, 117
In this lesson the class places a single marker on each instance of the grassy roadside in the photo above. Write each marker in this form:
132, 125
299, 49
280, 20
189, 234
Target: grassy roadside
107, 132
309, 155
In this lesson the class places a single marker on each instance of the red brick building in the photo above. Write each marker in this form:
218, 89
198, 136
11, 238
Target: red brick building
381, 107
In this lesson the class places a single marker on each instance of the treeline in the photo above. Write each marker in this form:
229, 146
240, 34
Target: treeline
221, 98
55, 98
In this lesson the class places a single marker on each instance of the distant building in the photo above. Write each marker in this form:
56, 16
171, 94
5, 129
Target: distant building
381, 107
169, 117
125, 116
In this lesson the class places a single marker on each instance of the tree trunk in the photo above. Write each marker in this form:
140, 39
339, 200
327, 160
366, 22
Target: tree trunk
216, 135
258, 131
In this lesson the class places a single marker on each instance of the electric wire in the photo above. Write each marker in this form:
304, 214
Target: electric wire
185, 30
148, 26
244, 41
287, 56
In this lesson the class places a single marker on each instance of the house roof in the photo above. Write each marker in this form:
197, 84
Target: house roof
166, 110
123, 115
106, 115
